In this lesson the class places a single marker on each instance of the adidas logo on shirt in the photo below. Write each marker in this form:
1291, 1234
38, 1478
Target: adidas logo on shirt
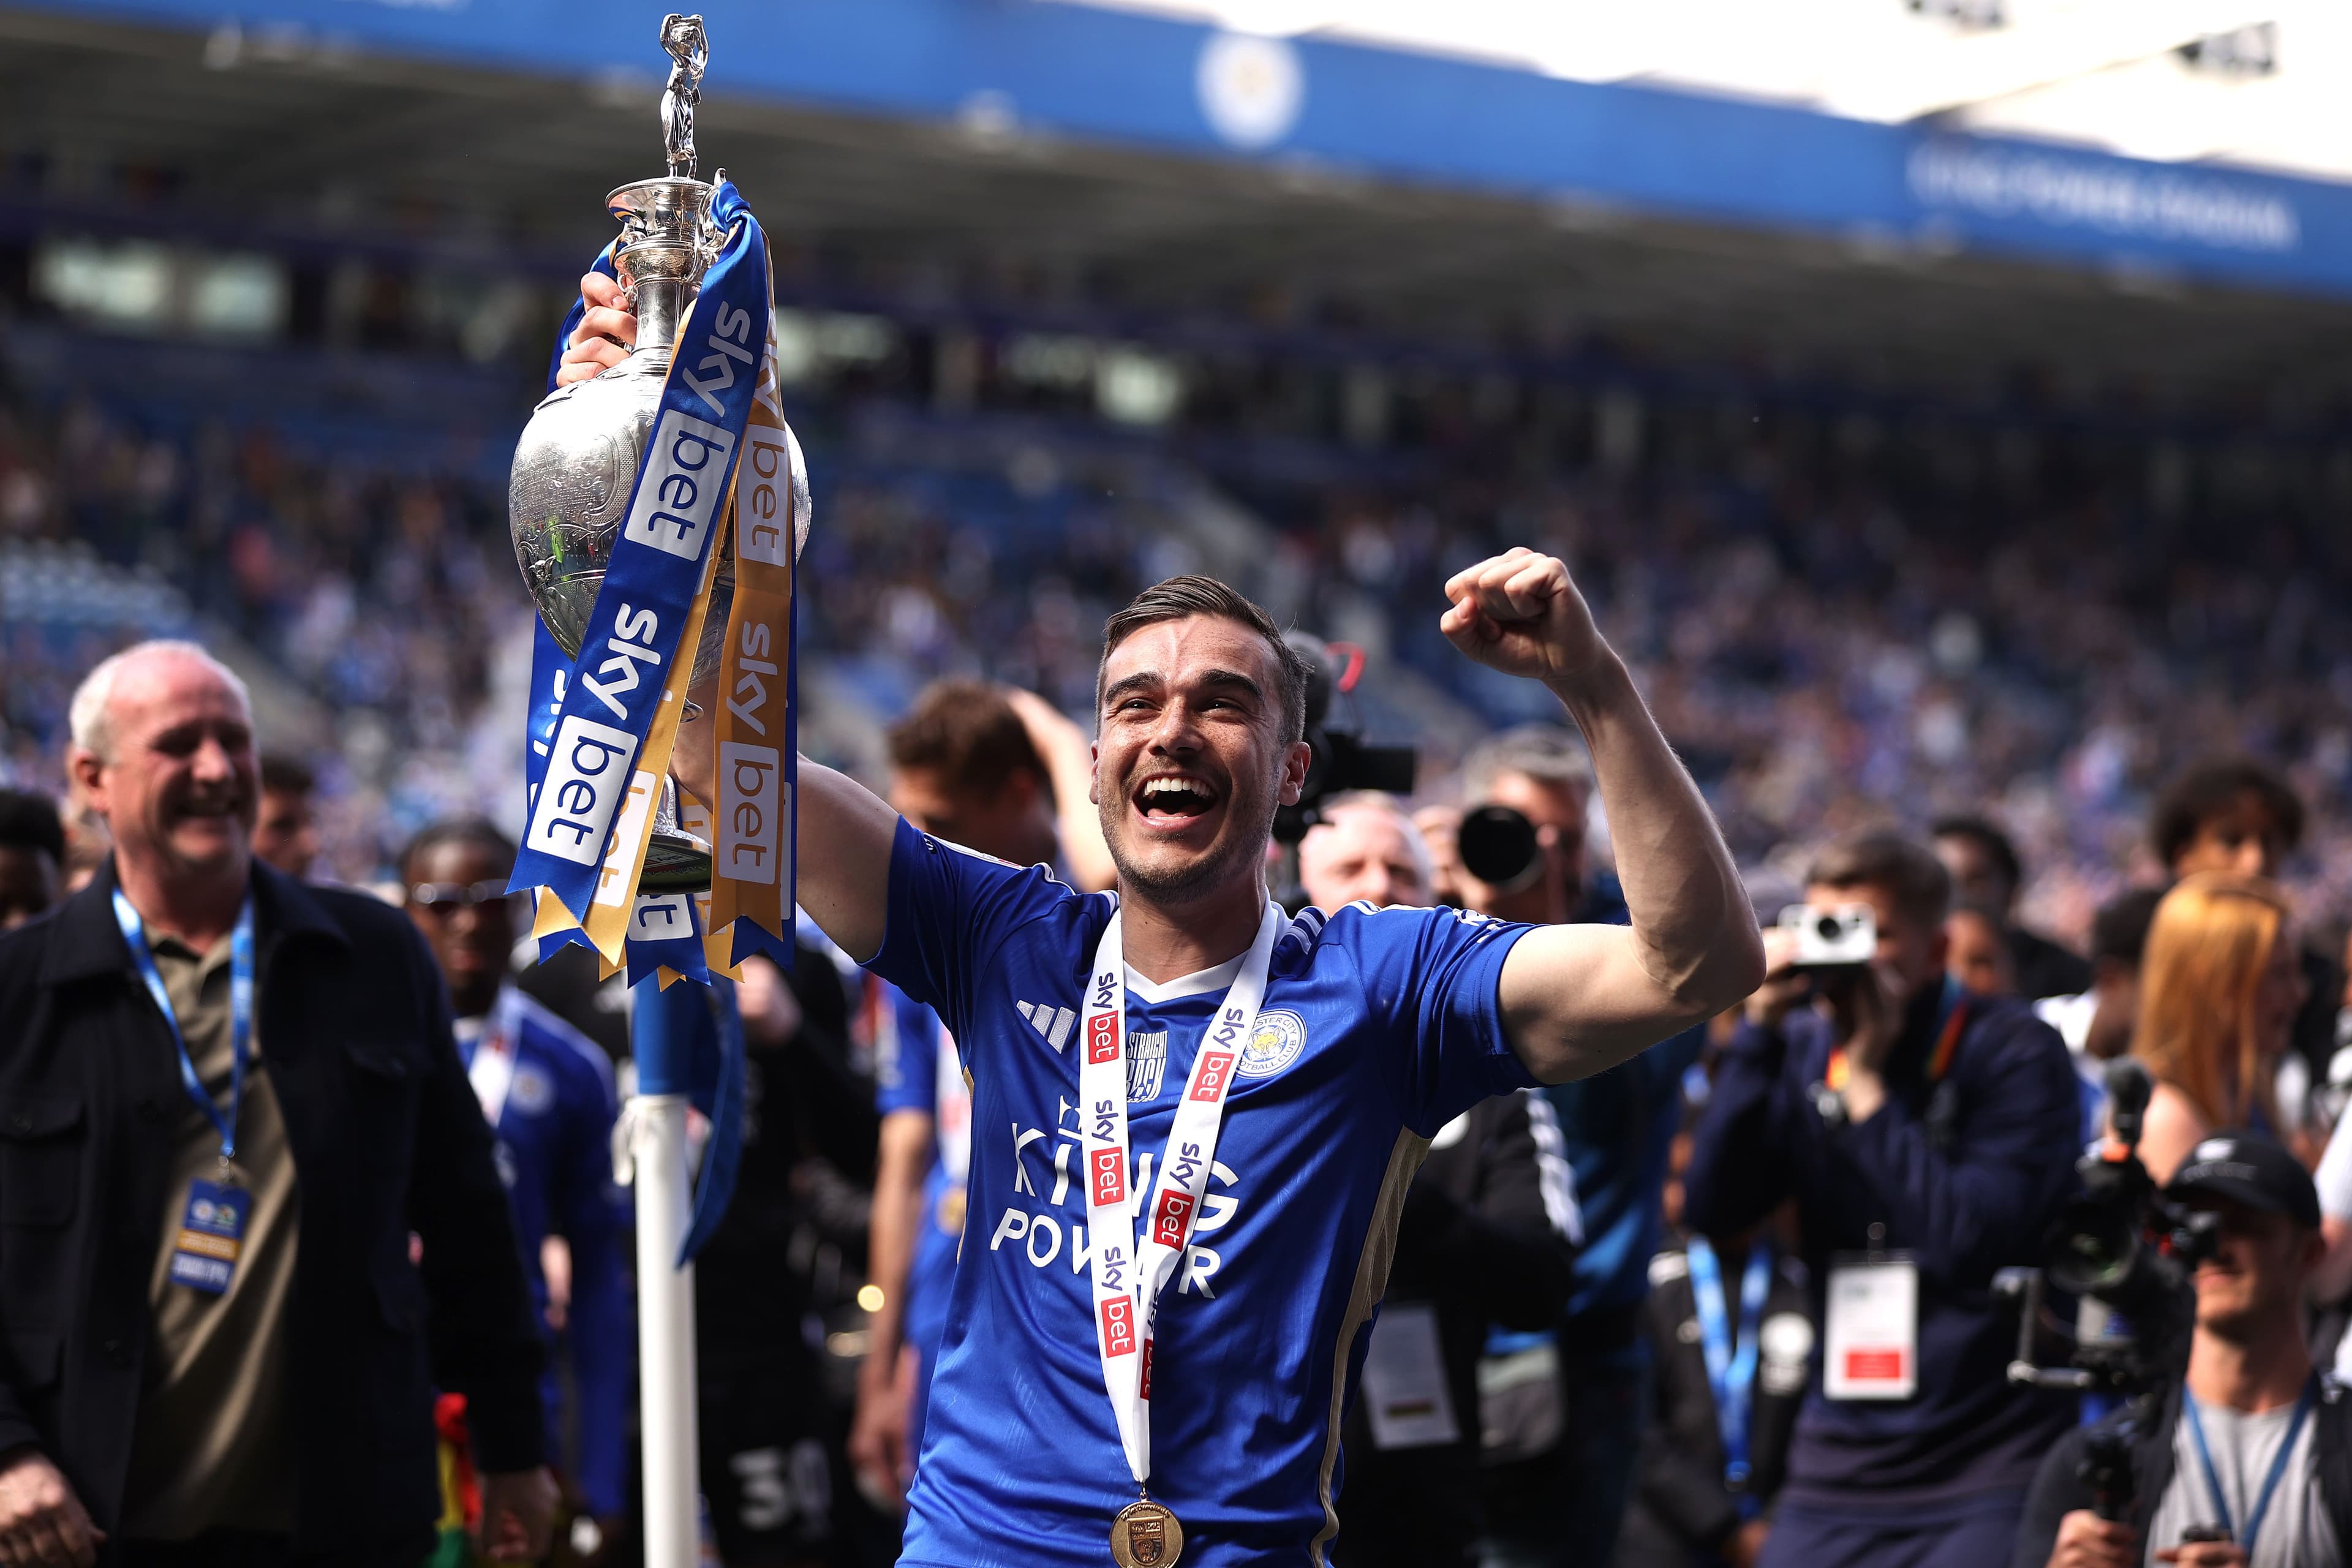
1052, 1022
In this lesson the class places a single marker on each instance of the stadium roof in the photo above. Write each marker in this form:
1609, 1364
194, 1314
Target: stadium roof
1194, 166
2255, 84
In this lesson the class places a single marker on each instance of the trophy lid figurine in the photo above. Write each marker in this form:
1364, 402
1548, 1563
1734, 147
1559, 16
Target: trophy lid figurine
582, 462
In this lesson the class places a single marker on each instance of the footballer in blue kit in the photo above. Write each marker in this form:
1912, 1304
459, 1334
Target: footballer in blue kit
1377, 1029
1341, 1045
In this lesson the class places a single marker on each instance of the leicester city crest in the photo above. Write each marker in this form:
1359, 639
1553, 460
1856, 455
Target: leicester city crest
1274, 1043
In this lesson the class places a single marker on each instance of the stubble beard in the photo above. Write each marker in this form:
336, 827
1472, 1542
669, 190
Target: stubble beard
1189, 880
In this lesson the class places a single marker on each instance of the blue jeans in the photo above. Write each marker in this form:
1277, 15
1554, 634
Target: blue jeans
1581, 1500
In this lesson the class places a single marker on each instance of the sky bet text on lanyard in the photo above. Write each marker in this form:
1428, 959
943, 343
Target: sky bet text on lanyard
1126, 1283
212, 1226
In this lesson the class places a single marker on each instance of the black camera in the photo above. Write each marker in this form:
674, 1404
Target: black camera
2130, 1255
1339, 759
1499, 846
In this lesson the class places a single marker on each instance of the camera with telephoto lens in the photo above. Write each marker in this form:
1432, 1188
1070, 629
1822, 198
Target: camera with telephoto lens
1843, 938
1499, 846
1338, 759
2128, 1256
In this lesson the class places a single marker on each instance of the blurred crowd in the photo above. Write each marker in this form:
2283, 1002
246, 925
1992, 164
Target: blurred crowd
1621, 1326
2057, 723
1835, 615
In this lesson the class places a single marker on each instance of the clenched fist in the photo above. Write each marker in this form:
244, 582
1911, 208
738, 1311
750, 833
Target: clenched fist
1520, 612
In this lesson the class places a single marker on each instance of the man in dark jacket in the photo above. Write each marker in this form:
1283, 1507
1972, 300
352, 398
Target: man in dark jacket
1487, 1239
1689, 1503
1935, 1130
2257, 1448
226, 1102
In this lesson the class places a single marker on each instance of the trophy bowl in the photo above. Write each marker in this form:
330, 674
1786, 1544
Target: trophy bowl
577, 463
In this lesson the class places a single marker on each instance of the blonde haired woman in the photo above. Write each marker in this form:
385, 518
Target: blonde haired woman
2219, 987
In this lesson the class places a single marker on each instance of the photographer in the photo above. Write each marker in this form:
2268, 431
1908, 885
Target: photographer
1926, 1136
2259, 1454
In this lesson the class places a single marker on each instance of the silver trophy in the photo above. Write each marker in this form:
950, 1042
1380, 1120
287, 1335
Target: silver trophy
579, 457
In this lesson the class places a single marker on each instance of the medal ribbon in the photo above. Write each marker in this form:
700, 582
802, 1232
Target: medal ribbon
656, 579
1129, 1275
1731, 1375
752, 822
2270, 1483
240, 1014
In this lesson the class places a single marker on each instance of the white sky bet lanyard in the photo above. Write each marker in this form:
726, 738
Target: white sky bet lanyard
1127, 1276
1730, 1374
240, 1015
2270, 1483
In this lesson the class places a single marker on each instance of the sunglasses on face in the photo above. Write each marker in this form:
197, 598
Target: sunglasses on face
448, 897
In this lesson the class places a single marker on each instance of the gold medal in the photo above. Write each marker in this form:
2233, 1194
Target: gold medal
1146, 1535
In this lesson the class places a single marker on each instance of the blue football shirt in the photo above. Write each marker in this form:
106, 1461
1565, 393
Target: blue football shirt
1377, 1029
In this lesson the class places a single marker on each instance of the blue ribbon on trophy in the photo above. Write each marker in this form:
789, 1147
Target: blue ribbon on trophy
657, 510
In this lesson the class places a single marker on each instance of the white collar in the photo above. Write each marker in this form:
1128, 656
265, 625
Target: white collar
1220, 978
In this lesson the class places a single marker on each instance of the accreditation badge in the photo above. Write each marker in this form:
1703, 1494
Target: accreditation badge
1871, 1336
211, 1236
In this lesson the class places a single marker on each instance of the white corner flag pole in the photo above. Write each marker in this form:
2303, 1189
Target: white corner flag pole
653, 1133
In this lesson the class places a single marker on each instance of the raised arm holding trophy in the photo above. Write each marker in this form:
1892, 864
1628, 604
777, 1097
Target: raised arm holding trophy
656, 506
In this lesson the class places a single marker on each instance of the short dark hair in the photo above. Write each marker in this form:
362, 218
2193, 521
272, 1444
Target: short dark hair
2207, 788
2119, 930
476, 830
282, 774
967, 732
1882, 858
29, 821
1180, 598
1981, 831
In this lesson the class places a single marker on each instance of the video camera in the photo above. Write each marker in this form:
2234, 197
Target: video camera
2130, 1255
1340, 760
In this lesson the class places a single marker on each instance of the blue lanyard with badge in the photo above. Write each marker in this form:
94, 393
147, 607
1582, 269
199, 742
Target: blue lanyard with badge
1731, 1374
212, 1224
2270, 1482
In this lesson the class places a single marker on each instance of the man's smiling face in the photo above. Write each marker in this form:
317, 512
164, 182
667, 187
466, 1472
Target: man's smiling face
1190, 761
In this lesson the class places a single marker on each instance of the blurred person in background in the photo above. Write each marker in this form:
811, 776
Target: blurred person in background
1977, 953
1364, 846
547, 1095
1936, 1131
236, 1100
2254, 1445
1731, 1330
778, 1281
2220, 987
286, 830
1988, 876
1437, 826
2097, 1025
1486, 1238
1617, 1129
986, 767
2236, 814
32, 856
